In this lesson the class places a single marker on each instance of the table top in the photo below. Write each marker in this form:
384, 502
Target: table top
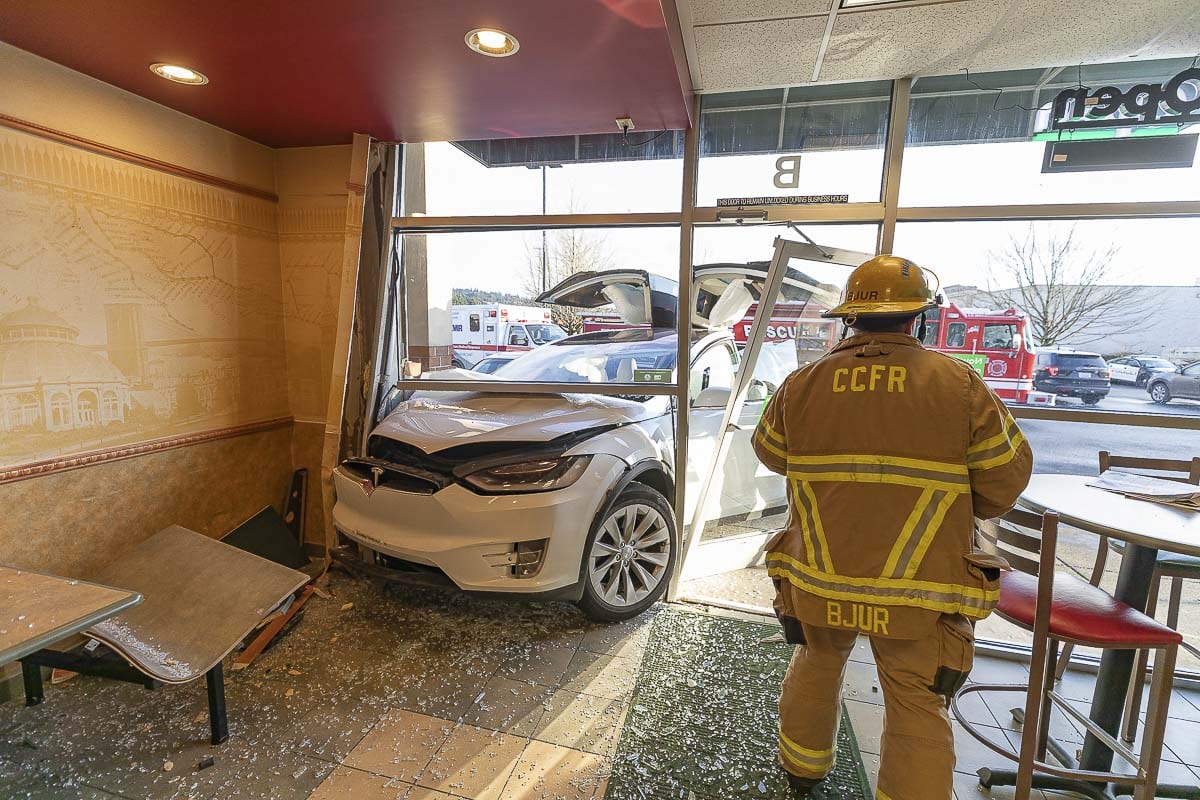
1110, 514
37, 610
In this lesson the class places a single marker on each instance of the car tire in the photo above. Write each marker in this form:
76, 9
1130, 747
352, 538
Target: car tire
617, 577
1092, 400
456, 364
1160, 394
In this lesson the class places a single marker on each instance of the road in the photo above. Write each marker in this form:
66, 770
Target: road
1071, 447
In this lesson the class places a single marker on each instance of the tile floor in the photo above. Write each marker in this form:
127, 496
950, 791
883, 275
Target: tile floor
421, 695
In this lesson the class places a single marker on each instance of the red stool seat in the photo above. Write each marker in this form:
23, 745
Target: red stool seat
1083, 613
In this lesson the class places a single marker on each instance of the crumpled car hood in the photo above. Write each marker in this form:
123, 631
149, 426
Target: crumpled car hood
435, 422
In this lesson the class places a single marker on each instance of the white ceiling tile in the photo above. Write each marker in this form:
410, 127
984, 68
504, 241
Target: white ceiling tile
1063, 32
751, 54
893, 43
705, 12
1182, 40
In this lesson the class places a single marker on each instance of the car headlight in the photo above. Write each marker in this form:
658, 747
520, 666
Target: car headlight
529, 476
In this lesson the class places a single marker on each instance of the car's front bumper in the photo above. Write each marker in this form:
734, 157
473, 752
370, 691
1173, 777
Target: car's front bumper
470, 537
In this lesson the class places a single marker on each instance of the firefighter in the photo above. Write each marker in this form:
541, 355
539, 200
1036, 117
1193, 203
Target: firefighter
889, 451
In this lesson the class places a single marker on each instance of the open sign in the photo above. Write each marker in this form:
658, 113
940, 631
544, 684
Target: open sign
1175, 102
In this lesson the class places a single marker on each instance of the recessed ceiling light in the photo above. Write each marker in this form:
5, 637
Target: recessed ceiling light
178, 74
491, 42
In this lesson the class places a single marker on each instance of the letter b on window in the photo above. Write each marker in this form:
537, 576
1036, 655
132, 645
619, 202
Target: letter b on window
787, 172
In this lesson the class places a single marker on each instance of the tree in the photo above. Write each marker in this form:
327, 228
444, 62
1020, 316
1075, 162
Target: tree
1064, 288
566, 253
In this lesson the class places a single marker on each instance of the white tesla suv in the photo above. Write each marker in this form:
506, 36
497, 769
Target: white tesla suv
567, 496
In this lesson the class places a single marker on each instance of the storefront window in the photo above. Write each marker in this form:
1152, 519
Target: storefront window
980, 139
1087, 292
819, 140
606, 173
473, 301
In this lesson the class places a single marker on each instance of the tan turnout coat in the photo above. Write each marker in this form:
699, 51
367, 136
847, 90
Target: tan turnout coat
889, 450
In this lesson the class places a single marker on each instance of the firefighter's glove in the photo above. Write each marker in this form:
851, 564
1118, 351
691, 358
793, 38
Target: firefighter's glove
793, 631
956, 654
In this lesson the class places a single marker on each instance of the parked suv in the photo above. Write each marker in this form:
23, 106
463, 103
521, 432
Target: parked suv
1184, 382
1072, 373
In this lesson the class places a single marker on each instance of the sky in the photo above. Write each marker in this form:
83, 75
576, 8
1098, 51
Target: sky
1150, 252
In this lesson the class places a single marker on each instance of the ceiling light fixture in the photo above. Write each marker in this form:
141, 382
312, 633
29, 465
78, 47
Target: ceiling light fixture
492, 42
178, 74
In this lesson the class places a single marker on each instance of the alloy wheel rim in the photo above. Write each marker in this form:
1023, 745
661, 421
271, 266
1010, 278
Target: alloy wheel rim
629, 557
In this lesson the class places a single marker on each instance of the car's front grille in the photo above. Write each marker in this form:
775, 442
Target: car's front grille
389, 476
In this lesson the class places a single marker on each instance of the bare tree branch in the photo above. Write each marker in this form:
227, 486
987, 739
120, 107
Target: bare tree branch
1064, 289
567, 252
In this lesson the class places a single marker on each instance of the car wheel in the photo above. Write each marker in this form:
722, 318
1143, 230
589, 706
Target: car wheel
1091, 400
454, 362
1160, 394
629, 555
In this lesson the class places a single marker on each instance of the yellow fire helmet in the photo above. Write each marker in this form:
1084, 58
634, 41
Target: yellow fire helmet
886, 286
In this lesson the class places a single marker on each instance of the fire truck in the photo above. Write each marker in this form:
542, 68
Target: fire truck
479, 330
995, 343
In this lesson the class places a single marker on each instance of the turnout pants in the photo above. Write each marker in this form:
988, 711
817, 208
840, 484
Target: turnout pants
917, 753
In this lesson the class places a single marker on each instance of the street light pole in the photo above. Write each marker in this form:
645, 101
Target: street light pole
544, 286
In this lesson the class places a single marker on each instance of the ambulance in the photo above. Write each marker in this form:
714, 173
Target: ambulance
481, 330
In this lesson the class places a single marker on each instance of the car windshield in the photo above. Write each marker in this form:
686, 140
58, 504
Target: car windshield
579, 360
544, 334
1157, 363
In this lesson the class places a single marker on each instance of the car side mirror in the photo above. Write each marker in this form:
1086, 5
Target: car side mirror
759, 391
713, 397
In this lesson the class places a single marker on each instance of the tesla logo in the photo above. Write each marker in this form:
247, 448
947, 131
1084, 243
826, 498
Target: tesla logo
787, 172
369, 485
997, 368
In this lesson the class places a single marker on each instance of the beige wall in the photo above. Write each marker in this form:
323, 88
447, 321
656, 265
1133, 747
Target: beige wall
312, 187
165, 307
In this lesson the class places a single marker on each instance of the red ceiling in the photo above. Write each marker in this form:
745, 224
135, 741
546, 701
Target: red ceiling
313, 72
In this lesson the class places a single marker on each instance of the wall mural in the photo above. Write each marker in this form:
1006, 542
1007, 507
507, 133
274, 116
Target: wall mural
133, 304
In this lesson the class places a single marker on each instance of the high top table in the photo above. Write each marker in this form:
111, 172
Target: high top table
38, 610
1145, 528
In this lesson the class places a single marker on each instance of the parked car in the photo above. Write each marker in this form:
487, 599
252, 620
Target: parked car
568, 496
1183, 383
1072, 373
494, 362
1137, 370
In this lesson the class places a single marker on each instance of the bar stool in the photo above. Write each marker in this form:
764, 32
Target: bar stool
1060, 608
1169, 566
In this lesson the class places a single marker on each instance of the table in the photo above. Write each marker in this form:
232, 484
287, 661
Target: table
1146, 528
37, 610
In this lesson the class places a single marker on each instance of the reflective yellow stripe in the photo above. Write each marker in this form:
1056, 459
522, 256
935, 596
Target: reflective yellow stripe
906, 532
818, 528
879, 795
946, 598
931, 530
886, 583
989, 443
1002, 459
805, 751
766, 428
894, 461
858, 477
814, 761
766, 445
810, 547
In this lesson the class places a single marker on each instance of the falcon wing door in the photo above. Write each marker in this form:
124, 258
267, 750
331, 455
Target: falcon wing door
639, 297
